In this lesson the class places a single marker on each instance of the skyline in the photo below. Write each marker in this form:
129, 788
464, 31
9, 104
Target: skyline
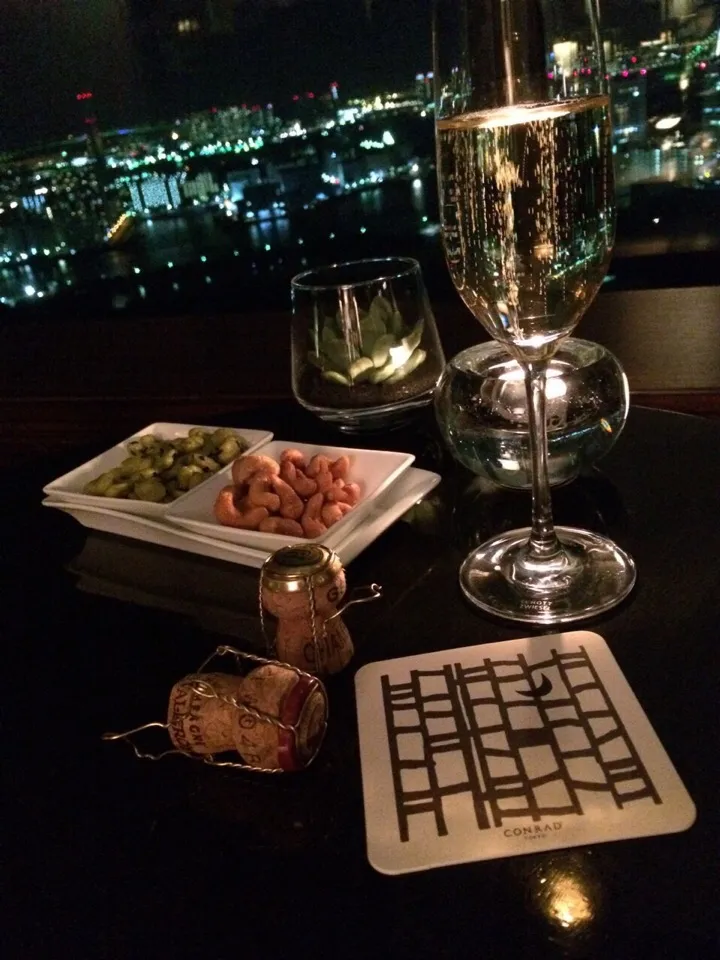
51, 49
277, 50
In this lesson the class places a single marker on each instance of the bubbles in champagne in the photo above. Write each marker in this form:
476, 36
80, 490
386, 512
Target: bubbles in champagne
527, 201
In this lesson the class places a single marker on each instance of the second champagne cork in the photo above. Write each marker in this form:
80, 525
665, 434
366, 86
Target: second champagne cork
203, 724
297, 701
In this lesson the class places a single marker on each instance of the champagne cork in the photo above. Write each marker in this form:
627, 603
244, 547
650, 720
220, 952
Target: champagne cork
203, 724
302, 587
297, 701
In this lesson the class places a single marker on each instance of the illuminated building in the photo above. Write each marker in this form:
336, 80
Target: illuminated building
202, 188
710, 95
156, 193
565, 55
424, 87
629, 110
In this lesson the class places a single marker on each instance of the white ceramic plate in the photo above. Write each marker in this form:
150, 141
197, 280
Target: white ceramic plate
407, 491
71, 485
374, 470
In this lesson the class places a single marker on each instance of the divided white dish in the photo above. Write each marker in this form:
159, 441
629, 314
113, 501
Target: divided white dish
70, 486
410, 488
375, 470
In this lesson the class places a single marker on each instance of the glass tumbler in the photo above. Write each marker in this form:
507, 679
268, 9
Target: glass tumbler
365, 348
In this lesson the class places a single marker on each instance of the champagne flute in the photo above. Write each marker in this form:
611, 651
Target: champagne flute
528, 217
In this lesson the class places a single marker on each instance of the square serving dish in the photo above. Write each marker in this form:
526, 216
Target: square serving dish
70, 486
374, 470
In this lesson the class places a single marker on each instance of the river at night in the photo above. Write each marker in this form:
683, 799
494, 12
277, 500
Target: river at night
205, 260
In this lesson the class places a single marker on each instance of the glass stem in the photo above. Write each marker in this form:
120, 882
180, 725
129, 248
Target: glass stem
543, 543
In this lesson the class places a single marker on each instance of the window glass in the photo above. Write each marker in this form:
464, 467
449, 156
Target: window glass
177, 156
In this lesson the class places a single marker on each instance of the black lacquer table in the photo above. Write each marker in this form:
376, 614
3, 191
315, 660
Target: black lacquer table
111, 857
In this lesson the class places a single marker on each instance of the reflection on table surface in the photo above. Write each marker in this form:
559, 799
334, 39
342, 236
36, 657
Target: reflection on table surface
120, 858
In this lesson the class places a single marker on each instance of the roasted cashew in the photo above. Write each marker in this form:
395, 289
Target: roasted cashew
290, 528
291, 506
295, 457
260, 493
340, 468
301, 484
318, 464
231, 514
311, 519
245, 467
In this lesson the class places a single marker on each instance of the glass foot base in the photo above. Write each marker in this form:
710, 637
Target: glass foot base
591, 576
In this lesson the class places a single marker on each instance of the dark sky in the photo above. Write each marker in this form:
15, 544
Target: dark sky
51, 49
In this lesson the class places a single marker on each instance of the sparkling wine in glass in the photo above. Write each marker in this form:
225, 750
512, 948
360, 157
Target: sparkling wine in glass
528, 215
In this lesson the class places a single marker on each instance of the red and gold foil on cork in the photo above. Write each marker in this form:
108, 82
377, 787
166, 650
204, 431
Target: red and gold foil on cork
274, 716
302, 587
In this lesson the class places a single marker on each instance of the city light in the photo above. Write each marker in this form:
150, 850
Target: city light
668, 123
96, 190
29, 291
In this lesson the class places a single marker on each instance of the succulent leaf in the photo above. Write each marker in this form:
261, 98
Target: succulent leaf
381, 350
381, 309
408, 367
336, 377
412, 340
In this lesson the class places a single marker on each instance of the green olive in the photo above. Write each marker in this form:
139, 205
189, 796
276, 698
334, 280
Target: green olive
190, 444
99, 485
159, 470
185, 474
117, 490
229, 450
150, 490
220, 435
205, 463
132, 465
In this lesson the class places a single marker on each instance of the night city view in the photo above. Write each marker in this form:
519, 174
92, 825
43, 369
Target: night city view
184, 155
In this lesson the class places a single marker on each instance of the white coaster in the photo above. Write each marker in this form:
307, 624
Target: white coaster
508, 748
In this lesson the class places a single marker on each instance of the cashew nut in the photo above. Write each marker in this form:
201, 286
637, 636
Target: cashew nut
324, 480
290, 528
245, 467
311, 519
232, 514
340, 468
302, 485
291, 506
332, 512
342, 492
260, 493
295, 457
317, 465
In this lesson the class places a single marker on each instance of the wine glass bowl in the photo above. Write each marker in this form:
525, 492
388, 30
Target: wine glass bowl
529, 243
525, 173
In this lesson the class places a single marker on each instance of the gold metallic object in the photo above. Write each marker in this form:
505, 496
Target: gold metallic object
291, 569
303, 584
287, 738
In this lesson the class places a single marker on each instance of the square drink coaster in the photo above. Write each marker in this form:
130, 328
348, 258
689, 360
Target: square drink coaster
508, 748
